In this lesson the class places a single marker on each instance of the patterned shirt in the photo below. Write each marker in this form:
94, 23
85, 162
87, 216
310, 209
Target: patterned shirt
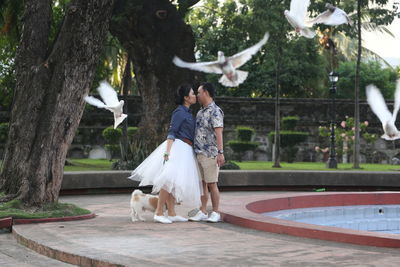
182, 124
205, 140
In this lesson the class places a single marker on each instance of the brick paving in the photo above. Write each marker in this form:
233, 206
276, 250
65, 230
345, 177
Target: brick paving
111, 239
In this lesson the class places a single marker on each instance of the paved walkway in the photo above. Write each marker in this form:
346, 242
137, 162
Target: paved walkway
112, 238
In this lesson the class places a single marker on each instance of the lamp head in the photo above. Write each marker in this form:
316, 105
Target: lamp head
333, 77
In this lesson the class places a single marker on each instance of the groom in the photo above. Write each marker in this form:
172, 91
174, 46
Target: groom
208, 145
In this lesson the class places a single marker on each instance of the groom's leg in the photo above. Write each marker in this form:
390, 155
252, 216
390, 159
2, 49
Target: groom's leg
204, 198
213, 187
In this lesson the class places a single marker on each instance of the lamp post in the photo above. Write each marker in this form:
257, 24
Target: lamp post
333, 78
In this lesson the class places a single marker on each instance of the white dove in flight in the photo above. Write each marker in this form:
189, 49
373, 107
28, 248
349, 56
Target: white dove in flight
378, 106
226, 65
111, 103
297, 17
333, 16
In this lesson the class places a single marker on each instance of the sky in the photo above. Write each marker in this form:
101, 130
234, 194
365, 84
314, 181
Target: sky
385, 45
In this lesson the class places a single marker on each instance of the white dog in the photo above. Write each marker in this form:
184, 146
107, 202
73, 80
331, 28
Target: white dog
141, 202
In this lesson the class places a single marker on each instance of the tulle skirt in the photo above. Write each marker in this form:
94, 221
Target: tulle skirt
179, 175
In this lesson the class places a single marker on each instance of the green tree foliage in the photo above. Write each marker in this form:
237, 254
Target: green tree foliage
375, 16
232, 26
10, 12
370, 72
10, 31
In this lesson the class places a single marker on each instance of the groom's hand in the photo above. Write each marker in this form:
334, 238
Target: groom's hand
220, 160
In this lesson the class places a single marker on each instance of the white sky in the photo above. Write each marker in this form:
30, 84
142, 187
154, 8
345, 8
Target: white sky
385, 45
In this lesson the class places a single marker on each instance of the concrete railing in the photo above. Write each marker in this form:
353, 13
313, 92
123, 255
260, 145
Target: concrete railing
241, 178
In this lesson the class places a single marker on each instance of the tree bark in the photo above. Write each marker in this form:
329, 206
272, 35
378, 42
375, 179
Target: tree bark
356, 153
51, 84
126, 86
153, 32
277, 137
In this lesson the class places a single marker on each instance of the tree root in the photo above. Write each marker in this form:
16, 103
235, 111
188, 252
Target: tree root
7, 198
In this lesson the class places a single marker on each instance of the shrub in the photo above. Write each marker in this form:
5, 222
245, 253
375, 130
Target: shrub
242, 146
290, 122
244, 133
112, 136
230, 166
289, 138
243, 142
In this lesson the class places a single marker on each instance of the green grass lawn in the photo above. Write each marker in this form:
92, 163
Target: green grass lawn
263, 165
15, 209
104, 165
89, 165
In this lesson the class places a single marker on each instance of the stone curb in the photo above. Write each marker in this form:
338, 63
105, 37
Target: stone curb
70, 258
9, 221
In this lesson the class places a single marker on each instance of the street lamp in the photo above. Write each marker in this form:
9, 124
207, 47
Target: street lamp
333, 78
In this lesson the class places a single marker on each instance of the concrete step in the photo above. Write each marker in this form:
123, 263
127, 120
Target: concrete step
13, 254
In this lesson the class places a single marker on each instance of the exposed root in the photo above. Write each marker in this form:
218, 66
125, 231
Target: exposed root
7, 198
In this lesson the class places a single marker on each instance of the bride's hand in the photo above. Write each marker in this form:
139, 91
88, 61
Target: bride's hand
166, 157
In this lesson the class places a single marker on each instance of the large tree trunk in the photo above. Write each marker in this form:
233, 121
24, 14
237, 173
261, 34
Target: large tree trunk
48, 104
153, 31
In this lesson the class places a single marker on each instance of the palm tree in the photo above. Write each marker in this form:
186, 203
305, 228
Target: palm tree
346, 45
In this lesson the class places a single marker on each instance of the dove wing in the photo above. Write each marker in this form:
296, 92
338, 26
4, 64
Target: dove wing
298, 9
321, 18
94, 102
396, 100
108, 94
338, 17
240, 58
377, 103
209, 67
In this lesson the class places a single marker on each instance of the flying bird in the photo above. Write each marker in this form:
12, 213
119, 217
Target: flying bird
297, 17
333, 16
111, 103
228, 66
378, 106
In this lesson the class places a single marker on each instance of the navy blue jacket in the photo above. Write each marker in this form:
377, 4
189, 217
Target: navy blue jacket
182, 124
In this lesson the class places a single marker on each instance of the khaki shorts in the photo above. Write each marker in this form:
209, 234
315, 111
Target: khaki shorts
209, 169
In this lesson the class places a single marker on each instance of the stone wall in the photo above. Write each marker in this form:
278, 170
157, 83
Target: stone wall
255, 112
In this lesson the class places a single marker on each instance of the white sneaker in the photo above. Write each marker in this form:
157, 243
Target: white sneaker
214, 217
177, 218
200, 216
161, 219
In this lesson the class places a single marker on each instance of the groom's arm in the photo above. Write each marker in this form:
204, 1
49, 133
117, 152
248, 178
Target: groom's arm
220, 145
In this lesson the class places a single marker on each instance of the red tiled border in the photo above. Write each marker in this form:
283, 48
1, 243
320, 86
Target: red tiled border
246, 212
9, 222
59, 219
5, 222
